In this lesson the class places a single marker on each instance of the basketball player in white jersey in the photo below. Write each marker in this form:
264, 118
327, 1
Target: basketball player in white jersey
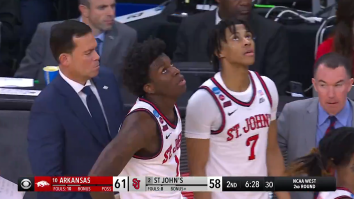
231, 119
335, 154
148, 143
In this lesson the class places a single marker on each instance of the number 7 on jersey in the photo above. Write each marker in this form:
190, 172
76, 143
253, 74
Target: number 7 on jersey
251, 142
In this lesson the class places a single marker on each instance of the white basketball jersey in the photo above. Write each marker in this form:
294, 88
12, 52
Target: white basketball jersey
165, 163
338, 194
238, 147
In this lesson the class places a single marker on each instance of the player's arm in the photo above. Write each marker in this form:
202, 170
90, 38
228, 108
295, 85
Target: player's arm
137, 131
275, 162
198, 126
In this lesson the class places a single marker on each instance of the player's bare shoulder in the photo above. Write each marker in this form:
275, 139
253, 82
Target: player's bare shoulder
139, 122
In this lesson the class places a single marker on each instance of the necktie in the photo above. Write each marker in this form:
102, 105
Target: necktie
99, 41
332, 120
95, 109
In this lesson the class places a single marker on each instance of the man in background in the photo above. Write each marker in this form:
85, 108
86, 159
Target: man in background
270, 40
9, 36
303, 123
113, 40
77, 114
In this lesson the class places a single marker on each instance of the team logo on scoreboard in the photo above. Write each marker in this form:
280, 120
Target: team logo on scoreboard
25, 184
136, 183
42, 183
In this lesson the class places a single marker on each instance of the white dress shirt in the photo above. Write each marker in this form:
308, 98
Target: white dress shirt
217, 17
78, 89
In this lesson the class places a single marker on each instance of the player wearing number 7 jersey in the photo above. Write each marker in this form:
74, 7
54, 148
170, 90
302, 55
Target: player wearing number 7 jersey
148, 143
231, 119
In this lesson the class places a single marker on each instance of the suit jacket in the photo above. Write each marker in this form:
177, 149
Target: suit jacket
117, 43
271, 45
63, 139
297, 129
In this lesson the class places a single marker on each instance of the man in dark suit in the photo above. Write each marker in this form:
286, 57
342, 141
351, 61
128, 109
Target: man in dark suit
114, 40
9, 36
270, 38
77, 114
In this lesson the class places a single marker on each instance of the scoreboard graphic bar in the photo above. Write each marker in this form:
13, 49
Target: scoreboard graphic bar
274, 184
175, 184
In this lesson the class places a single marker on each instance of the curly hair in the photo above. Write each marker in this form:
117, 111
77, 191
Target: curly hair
335, 149
135, 72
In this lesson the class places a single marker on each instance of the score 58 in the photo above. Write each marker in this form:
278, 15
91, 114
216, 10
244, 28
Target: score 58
214, 183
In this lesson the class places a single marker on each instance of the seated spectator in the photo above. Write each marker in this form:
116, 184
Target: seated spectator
303, 123
44, 12
78, 114
9, 36
113, 40
270, 40
342, 40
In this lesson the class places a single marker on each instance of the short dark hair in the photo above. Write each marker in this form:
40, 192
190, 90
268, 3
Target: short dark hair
218, 36
137, 64
334, 60
62, 34
85, 3
335, 149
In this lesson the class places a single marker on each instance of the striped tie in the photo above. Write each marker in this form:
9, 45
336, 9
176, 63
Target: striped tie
332, 120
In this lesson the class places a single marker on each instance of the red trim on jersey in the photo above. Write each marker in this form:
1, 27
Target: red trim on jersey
159, 129
342, 197
160, 113
179, 113
344, 189
265, 88
239, 102
221, 109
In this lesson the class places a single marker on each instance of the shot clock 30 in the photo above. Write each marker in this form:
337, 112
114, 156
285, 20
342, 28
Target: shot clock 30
120, 184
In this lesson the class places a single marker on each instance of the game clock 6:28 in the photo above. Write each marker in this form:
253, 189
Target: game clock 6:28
251, 184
